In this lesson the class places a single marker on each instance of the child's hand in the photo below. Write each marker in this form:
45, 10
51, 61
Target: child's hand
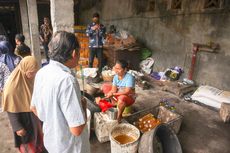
97, 100
109, 95
21, 132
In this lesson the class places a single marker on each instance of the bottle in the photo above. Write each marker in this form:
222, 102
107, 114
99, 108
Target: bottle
173, 108
146, 117
161, 103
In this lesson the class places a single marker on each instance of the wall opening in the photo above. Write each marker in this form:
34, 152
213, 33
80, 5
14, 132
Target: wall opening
10, 20
176, 4
213, 4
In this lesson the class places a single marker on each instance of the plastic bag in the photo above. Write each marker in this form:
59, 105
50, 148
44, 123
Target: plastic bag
104, 105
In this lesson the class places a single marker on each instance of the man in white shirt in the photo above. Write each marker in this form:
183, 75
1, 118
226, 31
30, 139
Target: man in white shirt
57, 99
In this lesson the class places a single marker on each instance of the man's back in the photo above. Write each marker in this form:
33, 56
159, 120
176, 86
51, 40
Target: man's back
57, 100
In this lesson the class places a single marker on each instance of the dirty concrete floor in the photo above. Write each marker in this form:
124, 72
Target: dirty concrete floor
6, 136
201, 131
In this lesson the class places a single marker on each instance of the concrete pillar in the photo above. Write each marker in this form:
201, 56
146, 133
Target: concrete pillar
25, 21
62, 15
33, 25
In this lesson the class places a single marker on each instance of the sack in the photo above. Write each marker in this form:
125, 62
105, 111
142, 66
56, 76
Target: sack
211, 96
95, 79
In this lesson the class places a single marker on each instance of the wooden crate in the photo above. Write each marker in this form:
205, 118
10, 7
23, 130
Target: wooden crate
113, 55
85, 63
84, 45
80, 28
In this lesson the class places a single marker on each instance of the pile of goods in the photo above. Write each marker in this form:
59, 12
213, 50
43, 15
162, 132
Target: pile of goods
147, 123
84, 47
165, 103
108, 75
172, 74
120, 45
122, 40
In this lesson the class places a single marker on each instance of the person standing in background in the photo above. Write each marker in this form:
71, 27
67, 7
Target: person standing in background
7, 55
45, 35
3, 38
96, 33
21, 48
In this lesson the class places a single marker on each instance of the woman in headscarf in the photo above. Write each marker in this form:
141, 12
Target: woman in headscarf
4, 74
8, 57
16, 100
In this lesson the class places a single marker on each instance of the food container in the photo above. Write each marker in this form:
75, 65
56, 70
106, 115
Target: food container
112, 112
170, 118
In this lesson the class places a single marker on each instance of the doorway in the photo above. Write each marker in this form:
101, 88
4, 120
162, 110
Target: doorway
10, 20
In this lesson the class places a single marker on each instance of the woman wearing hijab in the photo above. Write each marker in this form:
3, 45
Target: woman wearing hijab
4, 74
16, 99
8, 57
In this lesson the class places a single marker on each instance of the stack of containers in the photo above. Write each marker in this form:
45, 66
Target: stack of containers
84, 47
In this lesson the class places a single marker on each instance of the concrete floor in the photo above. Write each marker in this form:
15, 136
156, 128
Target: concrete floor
202, 131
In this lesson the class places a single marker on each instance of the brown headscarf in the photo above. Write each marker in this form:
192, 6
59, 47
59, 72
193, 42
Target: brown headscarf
18, 90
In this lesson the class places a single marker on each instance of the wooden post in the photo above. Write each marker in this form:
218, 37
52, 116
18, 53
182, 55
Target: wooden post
62, 15
34, 33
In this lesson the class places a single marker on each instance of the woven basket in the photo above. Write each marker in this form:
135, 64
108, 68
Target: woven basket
107, 78
90, 89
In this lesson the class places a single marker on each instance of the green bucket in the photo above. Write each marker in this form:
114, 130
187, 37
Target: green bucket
127, 111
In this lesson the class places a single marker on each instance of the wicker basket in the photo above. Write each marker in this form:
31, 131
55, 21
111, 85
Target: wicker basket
107, 78
107, 75
91, 89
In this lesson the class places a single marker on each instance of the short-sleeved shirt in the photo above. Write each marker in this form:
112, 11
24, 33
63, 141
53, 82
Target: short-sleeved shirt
56, 97
127, 81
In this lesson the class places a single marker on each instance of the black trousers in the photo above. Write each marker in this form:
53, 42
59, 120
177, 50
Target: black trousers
96, 52
46, 49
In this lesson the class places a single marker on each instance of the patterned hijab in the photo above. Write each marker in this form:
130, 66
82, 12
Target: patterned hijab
7, 55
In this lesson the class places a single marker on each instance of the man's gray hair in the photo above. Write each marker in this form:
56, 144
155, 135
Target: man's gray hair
62, 46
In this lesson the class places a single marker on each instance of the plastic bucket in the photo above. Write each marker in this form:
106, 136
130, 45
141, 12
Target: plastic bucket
162, 139
124, 138
127, 110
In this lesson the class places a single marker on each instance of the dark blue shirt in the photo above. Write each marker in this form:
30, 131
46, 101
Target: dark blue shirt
96, 37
